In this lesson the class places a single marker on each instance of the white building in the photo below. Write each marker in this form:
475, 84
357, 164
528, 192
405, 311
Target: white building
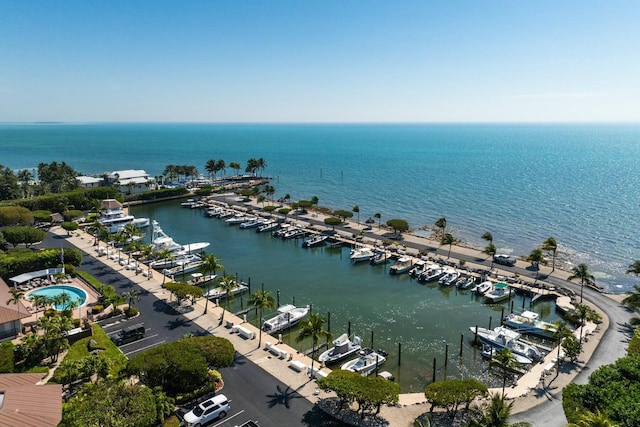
131, 181
89, 181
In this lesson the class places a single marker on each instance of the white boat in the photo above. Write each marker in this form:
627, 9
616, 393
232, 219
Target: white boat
402, 265
185, 268
294, 233
500, 292
450, 277
268, 225
284, 227
236, 219
361, 254
379, 257
188, 203
113, 217
317, 240
177, 259
200, 279
225, 214
529, 322
433, 272
367, 361
342, 348
251, 222
215, 211
160, 240
467, 283
289, 315
488, 352
418, 267
483, 287
502, 337
219, 293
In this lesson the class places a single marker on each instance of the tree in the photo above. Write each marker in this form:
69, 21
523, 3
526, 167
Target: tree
586, 313
399, 226
487, 236
550, 245
55, 328
131, 296
495, 414
210, 264
356, 209
490, 250
69, 226
332, 221
506, 361
228, 284
15, 215
634, 268
261, 300
451, 394
448, 239
633, 298
536, 257
378, 215
164, 254
314, 201
210, 167
572, 347
561, 332
236, 166
313, 327
581, 271
341, 213
441, 223
23, 235
9, 187
592, 419
16, 296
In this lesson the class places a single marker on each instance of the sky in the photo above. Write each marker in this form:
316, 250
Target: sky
320, 61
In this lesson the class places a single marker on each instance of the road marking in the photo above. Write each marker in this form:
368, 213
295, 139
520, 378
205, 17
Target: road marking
227, 419
144, 348
141, 339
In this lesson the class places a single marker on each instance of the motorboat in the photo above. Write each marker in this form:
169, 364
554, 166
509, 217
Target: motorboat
182, 269
268, 225
361, 254
317, 240
284, 227
418, 267
294, 233
500, 292
502, 337
113, 217
402, 265
450, 277
432, 272
488, 352
236, 219
200, 279
188, 203
379, 257
215, 211
367, 362
289, 315
160, 241
342, 348
529, 322
251, 223
219, 293
483, 287
178, 258
466, 283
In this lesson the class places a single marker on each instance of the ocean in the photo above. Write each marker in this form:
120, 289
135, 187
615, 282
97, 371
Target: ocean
522, 182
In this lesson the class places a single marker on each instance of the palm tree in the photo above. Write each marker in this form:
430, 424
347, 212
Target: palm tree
164, 254
496, 414
448, 239
260, 300
313, 327
581, 271
16, 296
552, 246
236, 166
441, 223
228, 284
378, 215
633, 298
39, 301
314, 201
131, 296
491, 251
592, 419
210, 264
562, 331
356, 209
487, 236
261, 164
586, 313
536, 257
145, 252
634, 268
505, 360
210, 167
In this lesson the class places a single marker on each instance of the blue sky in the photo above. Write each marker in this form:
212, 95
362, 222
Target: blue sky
320, 61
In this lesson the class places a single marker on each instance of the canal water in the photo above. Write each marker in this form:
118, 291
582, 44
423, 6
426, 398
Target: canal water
423, 319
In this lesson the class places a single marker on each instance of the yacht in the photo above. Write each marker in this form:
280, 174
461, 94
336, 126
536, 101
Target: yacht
236, 219
288, 315
219, 293
483, 287
361, 254
178, 258
450, 277
502, 337
379, 257
251, 223
500, 292
342, 348
113, 217
160, 240
268, 225
402, 265
529, 322
188, 267
431, 273
418, 267
317, 240
366, 363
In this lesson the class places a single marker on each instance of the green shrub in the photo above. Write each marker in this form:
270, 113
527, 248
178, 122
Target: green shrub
6, 357
634, 344
71, 214
41, 216
208, 387
97, 309
217, 351
131, 312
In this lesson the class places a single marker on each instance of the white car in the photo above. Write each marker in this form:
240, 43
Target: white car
209, 410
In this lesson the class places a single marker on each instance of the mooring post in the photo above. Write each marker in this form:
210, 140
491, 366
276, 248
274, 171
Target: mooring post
461, 343
524, 298
249, 284
328, 323
511, 306
502, 316
433, 378
446, 355
349, 328
490, 320
399, 353
371, 339
278, 297
475, 338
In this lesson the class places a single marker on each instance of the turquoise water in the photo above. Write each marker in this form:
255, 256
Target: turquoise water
524, 183
423, 318
76, 294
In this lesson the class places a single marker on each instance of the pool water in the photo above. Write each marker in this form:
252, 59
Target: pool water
74, 293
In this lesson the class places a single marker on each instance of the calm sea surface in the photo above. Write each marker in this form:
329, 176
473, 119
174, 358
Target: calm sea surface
524, 183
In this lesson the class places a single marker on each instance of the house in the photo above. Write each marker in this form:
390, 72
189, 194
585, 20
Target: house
25, 403
11, 314
131, 181
89, 181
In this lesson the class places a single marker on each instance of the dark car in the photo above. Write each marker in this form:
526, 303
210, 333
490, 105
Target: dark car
128, 334
505, 260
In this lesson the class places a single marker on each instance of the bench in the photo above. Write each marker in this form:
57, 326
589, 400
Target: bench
297, 365
229, 324
243, 332
316, 373
282, 354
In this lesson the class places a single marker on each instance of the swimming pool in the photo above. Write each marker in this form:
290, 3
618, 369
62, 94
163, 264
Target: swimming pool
75, 294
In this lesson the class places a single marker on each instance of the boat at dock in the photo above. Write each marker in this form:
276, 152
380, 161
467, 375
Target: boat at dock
289, 315
160, 241
252, 223
342, 348
215, 211
267, 226
529, 322
294, 232
402, 265
483, 287
418, 267
200, 279
433, 272
466, 283
236, 219
176, 259
367, 362
360, 254
450, 277
488, 352
219, 293
502, 337
317, 240
113, 217
500, 292
379, 257
182, 269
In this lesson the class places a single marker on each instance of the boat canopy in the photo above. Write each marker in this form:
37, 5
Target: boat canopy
500, 285
530, 315
286, 308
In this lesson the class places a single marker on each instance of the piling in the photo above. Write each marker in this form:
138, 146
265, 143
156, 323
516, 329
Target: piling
399, 353
371, 339
490, 320
461, 343
328, 322
433, 378
349, 328
512, 307
446, 355
278, 298
501, 316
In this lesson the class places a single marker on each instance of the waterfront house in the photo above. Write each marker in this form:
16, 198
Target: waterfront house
131, 181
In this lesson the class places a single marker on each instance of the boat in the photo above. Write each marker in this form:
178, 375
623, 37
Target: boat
482, 288
466, 283
450, 277
251, 223
219, 293
293, 233
284, 227
402, 265
379, 257
214, 211
500, 292
200, 279
225, 214
418, 267
236, 219
528, 322
342, 348
188, 203
177, 258
361, 254
112, 216
488, 352
502, 337
188, 267
289, 315
317, 240
160, 241
367, 362
268, 225
432, 272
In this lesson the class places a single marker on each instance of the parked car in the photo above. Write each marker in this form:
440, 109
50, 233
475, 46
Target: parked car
128, 334
209, 410
504, 260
